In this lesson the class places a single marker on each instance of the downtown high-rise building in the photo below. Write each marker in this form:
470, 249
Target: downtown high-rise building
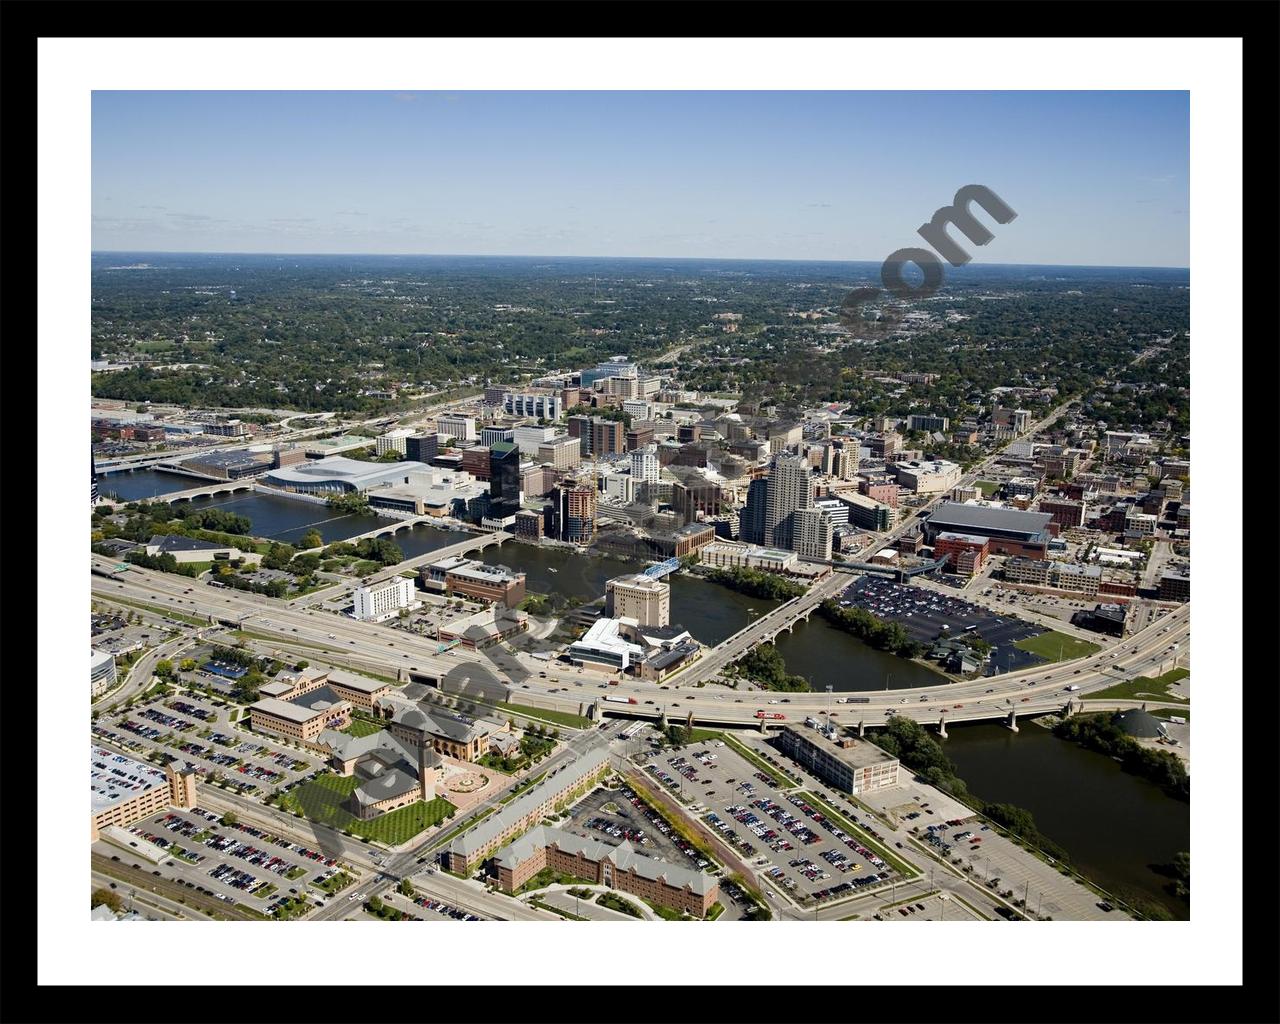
644, 464
812, 532
504, 480
751, 520
576, 512
790, 488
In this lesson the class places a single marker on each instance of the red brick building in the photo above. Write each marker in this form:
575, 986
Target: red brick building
965, 552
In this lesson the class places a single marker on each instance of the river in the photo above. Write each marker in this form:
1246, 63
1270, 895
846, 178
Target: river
1113, 824
275, 517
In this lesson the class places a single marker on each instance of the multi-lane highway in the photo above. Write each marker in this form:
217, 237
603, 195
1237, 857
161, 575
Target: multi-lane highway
1033, 690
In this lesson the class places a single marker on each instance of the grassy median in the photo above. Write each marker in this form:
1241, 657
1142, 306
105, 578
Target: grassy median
1144, 686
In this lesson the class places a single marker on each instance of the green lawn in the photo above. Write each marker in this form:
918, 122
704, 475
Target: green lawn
361, 727
558, 717
1172, 712
987, 487
549, 876
704, 735
334, 882
666, 913
297, 871
292, 906
612, 901
497, 763
716, 910
1054, 646
1135, 689
321, 800
895, 862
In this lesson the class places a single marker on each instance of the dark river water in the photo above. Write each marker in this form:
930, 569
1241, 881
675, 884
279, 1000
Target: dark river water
283, 519
1112, 823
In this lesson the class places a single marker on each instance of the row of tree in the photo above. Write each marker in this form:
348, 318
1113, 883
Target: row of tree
755, 583
764, 666
884, 636
1098, 732
907, 740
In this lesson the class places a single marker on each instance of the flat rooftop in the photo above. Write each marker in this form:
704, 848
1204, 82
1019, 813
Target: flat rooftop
484, 572
115, 778
964, 518
860, 754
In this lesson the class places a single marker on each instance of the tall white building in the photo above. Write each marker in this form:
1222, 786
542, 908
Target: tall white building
528, 438
638, 597
543, 406
813, 532
393, 441
790, 488
383, 600
644, 464
460, 428
638, 408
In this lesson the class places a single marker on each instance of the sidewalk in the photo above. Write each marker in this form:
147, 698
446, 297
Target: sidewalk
568, 903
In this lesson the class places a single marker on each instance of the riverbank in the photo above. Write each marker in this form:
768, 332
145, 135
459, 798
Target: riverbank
1116, 828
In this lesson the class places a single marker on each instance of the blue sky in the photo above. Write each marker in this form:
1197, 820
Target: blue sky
1097, 178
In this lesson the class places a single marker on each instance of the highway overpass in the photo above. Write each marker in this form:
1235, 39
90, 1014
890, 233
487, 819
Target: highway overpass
566, 688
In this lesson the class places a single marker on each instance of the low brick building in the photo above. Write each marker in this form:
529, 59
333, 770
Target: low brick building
471, 848
620, 867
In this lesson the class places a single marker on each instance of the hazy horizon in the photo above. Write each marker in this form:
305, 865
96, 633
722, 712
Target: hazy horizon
973, 264
1096, 178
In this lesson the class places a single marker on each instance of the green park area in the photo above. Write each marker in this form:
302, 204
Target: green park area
322, 799
1144, 688
1054, 646
987, 487
362, 727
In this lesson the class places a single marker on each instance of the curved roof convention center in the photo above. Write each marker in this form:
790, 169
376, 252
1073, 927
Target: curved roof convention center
338, 475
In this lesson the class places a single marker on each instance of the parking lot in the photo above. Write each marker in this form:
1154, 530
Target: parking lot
925, 815
612, 816
235, 863
935, 907
923, 613
201, 736
788, 843
425, 908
